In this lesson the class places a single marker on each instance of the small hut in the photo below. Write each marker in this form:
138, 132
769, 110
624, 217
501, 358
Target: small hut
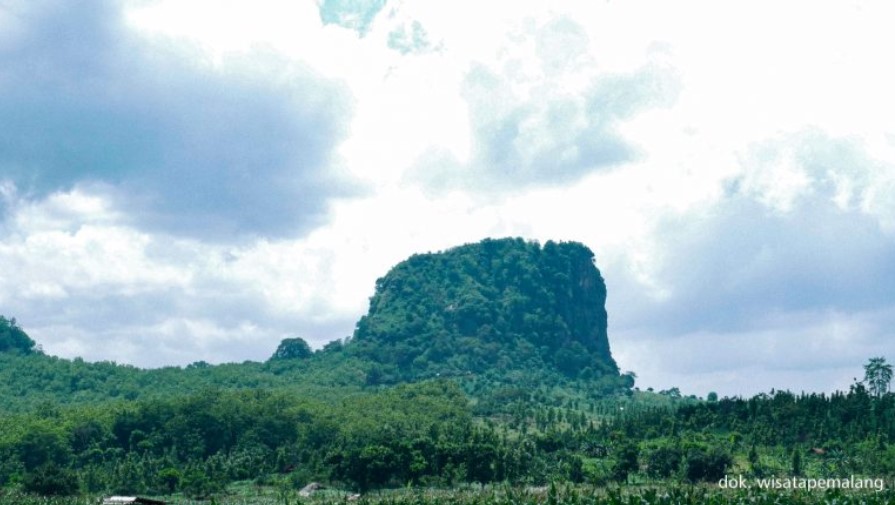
131, 500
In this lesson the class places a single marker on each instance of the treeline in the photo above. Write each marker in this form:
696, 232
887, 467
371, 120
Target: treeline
431, 434
37, 381
781, 433
420, 434
784, 418
31, 380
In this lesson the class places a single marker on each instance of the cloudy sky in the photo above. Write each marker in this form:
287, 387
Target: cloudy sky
198, 179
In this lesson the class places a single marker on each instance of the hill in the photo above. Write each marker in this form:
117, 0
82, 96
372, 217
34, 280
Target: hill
498, 312
497, 306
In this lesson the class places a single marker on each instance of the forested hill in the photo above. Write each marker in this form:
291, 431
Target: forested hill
496, 313
499, 305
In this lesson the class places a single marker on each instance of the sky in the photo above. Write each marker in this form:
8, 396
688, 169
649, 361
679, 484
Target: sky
185, 180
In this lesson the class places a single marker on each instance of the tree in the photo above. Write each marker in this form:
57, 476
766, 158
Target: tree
796, 462
878, 375
674, 393
42, 444
626, 462
170, 478
707, 466
664, 462
51, 480
754, 462
292, 348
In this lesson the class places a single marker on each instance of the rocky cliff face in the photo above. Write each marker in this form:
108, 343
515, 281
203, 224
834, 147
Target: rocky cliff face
497, 305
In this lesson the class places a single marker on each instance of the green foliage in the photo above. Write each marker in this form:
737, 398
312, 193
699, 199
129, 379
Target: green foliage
496, 306
170, 479
626, 458
426, 434
796, 465
13, 339
754, 462
35, 381
50, 479
706, 465
292, 348
664, 462
878, 374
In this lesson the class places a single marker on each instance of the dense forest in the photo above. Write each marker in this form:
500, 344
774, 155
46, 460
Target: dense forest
485, 364
497, 305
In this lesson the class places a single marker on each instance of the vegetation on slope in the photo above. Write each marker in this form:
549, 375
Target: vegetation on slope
506, 305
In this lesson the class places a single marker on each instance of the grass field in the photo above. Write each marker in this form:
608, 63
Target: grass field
510, 496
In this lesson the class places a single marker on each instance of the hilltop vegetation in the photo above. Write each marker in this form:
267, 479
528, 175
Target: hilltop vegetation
13, 340
497, 306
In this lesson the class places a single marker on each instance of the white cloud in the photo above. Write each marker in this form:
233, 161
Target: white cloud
799, 351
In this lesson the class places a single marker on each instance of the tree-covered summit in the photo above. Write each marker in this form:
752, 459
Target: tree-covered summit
500, 304
14, 339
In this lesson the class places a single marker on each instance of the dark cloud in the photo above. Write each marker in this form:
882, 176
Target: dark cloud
184, 145
742, 262
795, 356
758, 300
732, 265
755, 288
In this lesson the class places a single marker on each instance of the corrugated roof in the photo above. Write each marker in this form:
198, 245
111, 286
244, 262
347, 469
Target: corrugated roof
127, 500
